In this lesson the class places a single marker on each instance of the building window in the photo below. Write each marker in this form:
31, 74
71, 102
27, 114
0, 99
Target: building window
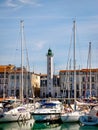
17, 77
12, 92
87, 86
43, 94
93, 86
77, 87
77, 73
70, 86
49, 94
50, 89
55, 94
12, 77
71, 79
84, 86
92, 79
29, 77
83, 79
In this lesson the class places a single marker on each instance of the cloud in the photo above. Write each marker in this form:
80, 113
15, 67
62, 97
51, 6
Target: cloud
20, 3
39, 45
31, 2
26, 1
9, 3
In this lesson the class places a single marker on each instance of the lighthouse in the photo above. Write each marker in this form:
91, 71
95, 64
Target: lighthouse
49, 73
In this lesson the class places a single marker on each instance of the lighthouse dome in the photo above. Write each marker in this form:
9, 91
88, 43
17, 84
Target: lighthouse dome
50, 52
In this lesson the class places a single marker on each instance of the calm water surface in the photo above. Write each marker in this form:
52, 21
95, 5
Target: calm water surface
31, 125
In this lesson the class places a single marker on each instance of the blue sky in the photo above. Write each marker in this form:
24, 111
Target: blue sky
48, 24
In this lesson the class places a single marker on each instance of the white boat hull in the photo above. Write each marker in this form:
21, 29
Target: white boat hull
46, 116
15, 115
70, 117
12, 117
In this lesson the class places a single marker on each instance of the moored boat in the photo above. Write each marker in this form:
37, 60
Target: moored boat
74, 115
48, 111
15, 114
88, 120
91, 118
71, 116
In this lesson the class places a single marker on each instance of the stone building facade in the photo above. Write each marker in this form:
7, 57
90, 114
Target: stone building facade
83, 83
5, 70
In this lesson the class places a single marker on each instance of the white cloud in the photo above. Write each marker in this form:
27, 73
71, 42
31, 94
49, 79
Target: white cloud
25, 1
10, 3
20, 3
39, 45
31, 2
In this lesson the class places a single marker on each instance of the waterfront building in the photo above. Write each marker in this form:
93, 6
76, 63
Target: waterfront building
15, 78
82, 83
5, 70
10, 82
43, 86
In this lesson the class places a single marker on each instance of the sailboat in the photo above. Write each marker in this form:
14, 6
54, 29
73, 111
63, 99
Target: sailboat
19, 113
92, 117
30, 107
72, 116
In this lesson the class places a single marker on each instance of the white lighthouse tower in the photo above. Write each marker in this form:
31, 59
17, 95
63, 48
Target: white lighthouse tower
49, 73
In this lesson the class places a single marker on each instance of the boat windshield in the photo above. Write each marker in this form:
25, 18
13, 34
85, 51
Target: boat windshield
48, 105
21, 109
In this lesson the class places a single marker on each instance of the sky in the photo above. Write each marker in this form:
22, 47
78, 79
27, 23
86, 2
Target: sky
49, 24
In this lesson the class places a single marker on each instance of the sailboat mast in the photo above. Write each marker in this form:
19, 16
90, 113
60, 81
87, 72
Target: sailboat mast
74, 61
90, 64
21, 92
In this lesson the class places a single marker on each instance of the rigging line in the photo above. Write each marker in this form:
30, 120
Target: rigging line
68, 59
28, 66
27, 57
68, 65
17, 48
79, 50
13, 57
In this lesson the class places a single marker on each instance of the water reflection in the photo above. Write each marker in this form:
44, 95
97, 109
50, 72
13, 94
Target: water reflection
70, 126
46, 126
31, 125
27, 125
88, 128
77, 126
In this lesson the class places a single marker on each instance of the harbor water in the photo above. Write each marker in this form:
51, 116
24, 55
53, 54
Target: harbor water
31, 125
